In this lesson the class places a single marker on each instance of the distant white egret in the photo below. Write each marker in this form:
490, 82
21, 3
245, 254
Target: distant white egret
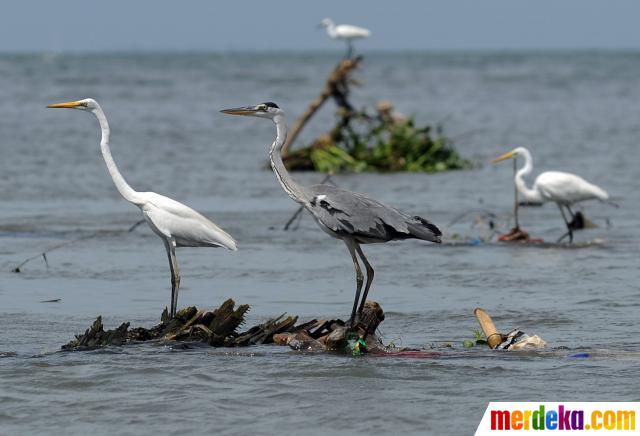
178, 225
345, 32
564, 189
354, 218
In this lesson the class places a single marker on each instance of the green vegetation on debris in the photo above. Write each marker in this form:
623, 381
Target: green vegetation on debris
385, 143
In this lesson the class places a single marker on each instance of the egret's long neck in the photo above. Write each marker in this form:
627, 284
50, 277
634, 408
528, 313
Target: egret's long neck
331, 30
295, 191
529, 194
121, 184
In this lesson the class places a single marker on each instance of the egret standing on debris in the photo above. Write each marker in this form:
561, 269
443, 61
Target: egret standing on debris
345, 32
354, 218
564, 189
178, 225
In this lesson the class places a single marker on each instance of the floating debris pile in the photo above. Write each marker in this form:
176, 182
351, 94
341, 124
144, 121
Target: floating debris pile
514, 340
219, 328
365, 140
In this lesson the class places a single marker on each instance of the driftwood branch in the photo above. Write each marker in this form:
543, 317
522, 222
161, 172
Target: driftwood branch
219, 328
337, 86
55, 247
18, 268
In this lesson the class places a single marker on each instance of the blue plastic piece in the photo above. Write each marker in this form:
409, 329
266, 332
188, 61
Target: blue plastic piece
579, 356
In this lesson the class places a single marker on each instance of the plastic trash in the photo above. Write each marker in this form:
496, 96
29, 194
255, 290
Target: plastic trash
518, 340
579, 356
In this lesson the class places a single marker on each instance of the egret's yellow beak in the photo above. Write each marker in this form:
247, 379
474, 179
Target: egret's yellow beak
69, 104
504, 157
247, 110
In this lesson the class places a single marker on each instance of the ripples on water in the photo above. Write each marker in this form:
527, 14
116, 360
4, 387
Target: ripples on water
575, 111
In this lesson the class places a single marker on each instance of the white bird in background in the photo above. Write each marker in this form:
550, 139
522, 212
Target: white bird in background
345, 32
178, 225
564, 189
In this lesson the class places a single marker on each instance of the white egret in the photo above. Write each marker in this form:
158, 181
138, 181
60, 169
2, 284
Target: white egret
354, 218
176, 224
564, 189
345, 32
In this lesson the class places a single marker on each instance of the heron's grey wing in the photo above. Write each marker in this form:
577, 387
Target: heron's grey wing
349, 214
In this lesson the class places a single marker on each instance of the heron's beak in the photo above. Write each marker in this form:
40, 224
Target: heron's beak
503, 157
69, 104
247, 110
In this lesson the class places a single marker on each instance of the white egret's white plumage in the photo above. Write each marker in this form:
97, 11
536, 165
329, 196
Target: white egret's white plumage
352, 217
345, 32
564, 189
178, 225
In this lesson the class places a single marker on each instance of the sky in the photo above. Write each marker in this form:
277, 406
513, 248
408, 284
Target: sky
258, 25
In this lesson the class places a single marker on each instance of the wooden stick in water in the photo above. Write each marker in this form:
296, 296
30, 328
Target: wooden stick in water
339, 76
494, 338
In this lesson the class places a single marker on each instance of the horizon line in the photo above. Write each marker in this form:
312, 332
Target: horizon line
227, 52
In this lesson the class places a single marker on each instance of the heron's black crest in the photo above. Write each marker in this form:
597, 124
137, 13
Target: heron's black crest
271, 104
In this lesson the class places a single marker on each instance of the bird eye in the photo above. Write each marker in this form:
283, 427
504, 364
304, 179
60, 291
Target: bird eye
262, 107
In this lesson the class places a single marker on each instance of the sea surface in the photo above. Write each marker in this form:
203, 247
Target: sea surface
578, 112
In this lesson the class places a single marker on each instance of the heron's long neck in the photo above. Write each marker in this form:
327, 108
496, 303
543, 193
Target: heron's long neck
121, 184
295, 191
529, 194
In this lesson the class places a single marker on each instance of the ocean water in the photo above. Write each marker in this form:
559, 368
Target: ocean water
577, 112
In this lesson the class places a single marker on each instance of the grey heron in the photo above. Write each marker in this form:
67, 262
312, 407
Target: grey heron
564, 189
176, 224
352, 217
345, 32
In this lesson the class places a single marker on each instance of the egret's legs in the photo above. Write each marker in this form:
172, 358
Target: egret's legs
351, 246
175, 274
569, 231
349, 49
370, 274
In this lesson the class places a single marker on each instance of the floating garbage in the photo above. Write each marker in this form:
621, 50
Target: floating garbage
516, 234
579, 356
514, 340
518, 340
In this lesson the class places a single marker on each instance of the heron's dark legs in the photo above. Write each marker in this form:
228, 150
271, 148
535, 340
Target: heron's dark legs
352, 246
569, 230
175, 275
370, 274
